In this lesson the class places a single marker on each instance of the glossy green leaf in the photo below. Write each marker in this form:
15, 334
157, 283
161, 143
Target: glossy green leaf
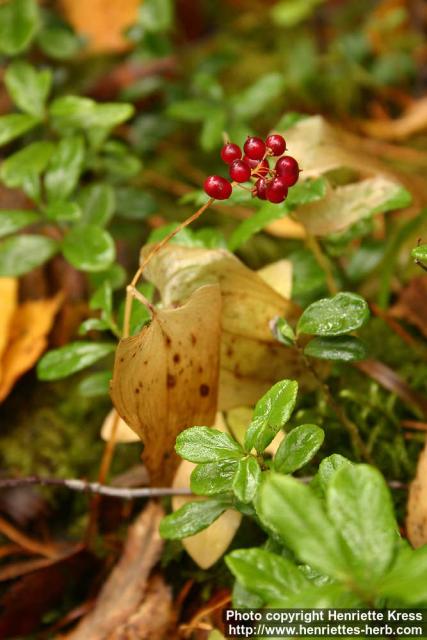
28, 87
192, 518
283, 332
298, 447
211, 478
271, 413
76, 112
92, 324
95, 384
63, 211
342, 348
293, 511
58, 42
343, 313
253, 225
89, 248
103, 298
14, 125
13, 220
406, 582
203, 444
329, 466
19, 21
65, 166
21, 254
74, 357
420, 253
26, 164
360, 506
266, 574
97, 202
247, 479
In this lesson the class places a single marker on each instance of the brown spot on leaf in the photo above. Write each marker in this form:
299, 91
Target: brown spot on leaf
176, 358
193, 339
204, 390
171, 381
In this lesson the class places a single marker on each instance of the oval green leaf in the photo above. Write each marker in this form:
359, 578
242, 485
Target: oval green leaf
247, 479
298, 447
14, 125
12, 220
89, 248
343, 313
192, 518
204, 444
28, 87
21, 254
74, 357
341, 348
19, 21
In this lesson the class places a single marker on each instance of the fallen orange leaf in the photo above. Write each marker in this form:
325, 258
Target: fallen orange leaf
103, 22
30, 327
413, 120
416, 520
8, 303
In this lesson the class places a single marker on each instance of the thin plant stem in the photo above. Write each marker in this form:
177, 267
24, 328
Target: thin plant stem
322, 261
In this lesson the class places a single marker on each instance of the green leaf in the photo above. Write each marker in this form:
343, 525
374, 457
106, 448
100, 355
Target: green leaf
12, 220
342, 348
406, 582
260, 219
213, 477
283, 332
247, 479
63, 211
204, 444
298, 448
292, 510
257, 97
271, 413
328, 468
192, 518
420, 253
360, 506
306, 191
97, 202
134, 204
76, 112
343, 313
95, 384
28, 87
64, 168
89, 248
289, 13
58, 42
308, 279
74, 357
156, 16
103, 298
21, 254
14, 125
26, 164
266, 574
19, 21
212, 130
92, 324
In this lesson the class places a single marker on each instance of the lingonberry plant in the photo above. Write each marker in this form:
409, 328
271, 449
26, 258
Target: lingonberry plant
269, 184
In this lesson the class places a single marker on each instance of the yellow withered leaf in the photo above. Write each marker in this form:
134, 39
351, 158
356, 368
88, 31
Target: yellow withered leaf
123, 434
165, 378
30, 327
8, 303
251, 358
207, 546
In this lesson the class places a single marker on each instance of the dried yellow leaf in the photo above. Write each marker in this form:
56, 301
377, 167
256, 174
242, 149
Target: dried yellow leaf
416, 520
166, 378
8, 304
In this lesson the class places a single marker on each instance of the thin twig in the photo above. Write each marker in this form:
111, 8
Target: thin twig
95, 487
322, 261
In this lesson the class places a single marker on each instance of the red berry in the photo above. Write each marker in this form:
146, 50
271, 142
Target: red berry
261, 188
277, 190
240, 171
231, 152
276, 144
254, 148
217, 187
288, 169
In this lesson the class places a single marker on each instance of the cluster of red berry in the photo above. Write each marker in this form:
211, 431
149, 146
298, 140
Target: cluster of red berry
270, 184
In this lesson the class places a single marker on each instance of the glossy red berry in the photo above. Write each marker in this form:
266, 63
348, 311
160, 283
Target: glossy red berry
277, 190
231, 152
276, 144
254, 148
261, 188
240, 171
288, 169
217, 187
